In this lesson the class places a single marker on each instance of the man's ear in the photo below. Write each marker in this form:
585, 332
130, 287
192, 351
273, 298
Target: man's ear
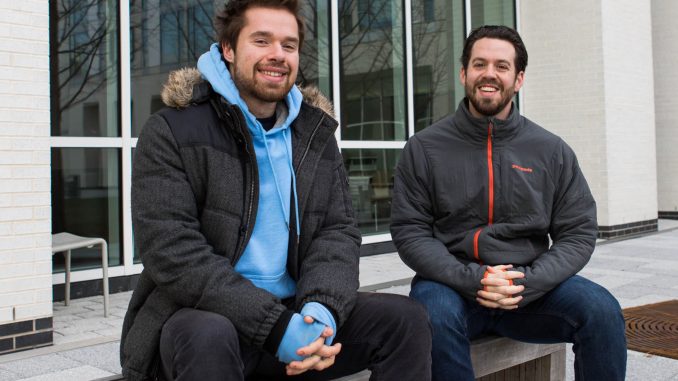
520, 78
229, 54
462, 76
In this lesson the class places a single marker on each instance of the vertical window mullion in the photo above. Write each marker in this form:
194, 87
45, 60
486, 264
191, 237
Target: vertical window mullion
409, 68
516, 18
336, 69
126, 124
467, 16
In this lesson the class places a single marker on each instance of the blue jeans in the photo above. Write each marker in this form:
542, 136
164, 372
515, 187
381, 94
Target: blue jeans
578, 311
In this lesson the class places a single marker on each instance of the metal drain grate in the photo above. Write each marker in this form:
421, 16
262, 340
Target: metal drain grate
653, 328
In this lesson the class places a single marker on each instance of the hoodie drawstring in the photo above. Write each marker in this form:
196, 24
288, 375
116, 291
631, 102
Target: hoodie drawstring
294, 186
277, 186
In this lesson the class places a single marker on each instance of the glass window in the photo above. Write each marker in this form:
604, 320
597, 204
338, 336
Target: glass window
169, 36
374, 14
493, 12
164, 36
370, 179
84, 88
437, 42
373, 103
315, 61
86, 201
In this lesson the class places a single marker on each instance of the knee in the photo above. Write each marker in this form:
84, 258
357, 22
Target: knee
404, 315
598, 307
200, 332
445, 307
604, 307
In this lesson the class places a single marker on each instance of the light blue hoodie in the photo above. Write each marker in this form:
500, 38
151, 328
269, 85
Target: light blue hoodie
264, 261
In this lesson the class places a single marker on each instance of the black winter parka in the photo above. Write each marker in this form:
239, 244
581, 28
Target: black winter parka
194, 203
471, 192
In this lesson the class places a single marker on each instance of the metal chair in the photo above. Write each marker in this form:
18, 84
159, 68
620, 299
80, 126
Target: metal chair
65, 242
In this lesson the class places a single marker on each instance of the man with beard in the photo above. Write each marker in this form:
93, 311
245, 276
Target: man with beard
244, 224
477, 196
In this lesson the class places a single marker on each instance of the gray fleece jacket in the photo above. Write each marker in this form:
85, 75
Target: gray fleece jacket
471, 192
194, 203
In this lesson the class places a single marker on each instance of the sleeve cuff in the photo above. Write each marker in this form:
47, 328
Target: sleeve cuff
321, 314
298, 334
275, 337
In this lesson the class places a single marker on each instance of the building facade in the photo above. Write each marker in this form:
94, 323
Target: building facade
79, 79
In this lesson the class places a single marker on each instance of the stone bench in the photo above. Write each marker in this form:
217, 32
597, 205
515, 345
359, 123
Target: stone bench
498, 359
494, 358
501, 359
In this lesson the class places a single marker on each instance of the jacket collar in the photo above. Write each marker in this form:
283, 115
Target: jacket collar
477, 129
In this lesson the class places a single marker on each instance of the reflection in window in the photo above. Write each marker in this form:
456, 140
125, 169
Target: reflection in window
86, 201
429, 10
164, 36
437, 41
372, 70
136, 256
83, 68
169, 36
370, 179
315, 60
374, 14
493, 12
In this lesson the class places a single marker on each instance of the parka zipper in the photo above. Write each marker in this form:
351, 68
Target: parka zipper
301, 161
310, 140
490, 170
243, 228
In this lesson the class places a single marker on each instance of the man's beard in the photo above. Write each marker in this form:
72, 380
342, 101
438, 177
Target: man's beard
485, 106
259, 90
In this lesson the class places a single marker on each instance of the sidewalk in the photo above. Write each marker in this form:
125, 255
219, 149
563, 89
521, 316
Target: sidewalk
637, 271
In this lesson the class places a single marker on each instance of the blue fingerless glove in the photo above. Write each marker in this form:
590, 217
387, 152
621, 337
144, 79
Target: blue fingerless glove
298, 334
321, 314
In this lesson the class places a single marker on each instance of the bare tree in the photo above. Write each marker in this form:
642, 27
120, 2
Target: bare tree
431, 53
78, 66
78, 38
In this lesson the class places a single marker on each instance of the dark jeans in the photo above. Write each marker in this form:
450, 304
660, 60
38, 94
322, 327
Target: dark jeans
388, 334
577, 311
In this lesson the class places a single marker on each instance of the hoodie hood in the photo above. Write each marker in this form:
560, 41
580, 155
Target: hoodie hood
214, 70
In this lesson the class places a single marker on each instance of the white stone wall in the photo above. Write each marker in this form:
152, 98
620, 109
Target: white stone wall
629, 109
563, 91
589, 80
25, 214
665, 48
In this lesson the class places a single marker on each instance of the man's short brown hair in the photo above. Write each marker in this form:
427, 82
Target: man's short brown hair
231, 19
499, 32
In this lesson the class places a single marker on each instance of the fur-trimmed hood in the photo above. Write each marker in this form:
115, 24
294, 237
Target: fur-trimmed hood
178, 91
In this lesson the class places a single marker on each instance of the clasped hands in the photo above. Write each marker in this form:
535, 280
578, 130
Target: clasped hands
317, 355
498, 289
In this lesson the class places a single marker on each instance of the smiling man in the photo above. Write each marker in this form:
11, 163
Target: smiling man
243, 221
477, 196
